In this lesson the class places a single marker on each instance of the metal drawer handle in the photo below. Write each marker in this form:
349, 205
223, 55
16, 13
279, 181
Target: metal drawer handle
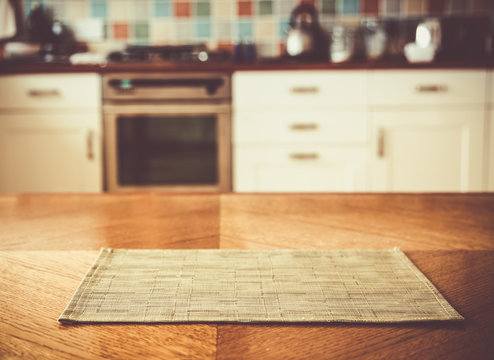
380, 143
431, 88
44, 93
304, 90
304, 156
303, 127
90, 145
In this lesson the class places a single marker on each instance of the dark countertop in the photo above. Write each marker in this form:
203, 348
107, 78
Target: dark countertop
11, 67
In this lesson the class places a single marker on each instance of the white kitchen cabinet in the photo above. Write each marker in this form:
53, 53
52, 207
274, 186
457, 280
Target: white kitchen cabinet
304, 89
50, 92
423, 151
427, 130
299, 168
302, 131
427, 88
490, 152
50, 133
489, 161
489, 135
298, 127
50, 153
377, 130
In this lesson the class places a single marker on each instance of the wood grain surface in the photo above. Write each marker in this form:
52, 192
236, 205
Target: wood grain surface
48, 242
342, 221
89, 222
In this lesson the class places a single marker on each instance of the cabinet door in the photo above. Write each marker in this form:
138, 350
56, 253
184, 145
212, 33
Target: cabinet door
427, 150
50, 153
298, 168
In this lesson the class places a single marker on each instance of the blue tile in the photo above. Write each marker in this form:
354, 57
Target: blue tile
99, 9
350, 7
162, 8
203, 29
245, 29
329, 7
283, 28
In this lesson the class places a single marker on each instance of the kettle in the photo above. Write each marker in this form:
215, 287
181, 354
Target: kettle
306, 39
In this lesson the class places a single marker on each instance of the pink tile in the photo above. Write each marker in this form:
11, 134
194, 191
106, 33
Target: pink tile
120, 31
244, 8
182, 9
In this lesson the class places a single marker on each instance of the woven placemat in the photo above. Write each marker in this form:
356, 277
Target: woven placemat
149, 286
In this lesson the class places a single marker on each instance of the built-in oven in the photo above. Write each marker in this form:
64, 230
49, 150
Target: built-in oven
167, 132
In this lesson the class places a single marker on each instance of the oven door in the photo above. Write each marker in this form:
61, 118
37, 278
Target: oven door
170, 147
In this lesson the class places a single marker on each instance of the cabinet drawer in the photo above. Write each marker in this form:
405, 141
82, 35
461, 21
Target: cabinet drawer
300, 127
427, 87
299, 88
54, 91
299, 168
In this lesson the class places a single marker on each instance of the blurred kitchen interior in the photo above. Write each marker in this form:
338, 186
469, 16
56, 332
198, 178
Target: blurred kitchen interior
362, 96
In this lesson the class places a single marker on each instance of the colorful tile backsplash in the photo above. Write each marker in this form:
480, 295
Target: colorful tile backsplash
222, 23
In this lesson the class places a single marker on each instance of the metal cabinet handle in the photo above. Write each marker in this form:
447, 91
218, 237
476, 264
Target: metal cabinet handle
90, 145
43, 93
304, 156
431, 88
304, 90
304, 126
380, 143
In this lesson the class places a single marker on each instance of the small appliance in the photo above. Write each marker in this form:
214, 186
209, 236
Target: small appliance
306, 39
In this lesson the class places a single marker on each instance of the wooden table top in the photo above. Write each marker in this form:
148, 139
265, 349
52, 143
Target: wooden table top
48, 242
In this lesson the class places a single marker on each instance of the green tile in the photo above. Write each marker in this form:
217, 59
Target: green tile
141, 30
265, 7
203, 8
329, 7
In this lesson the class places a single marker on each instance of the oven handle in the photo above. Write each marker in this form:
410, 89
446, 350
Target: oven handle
211, 85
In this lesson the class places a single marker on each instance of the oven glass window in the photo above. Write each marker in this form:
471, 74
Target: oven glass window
167, 150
